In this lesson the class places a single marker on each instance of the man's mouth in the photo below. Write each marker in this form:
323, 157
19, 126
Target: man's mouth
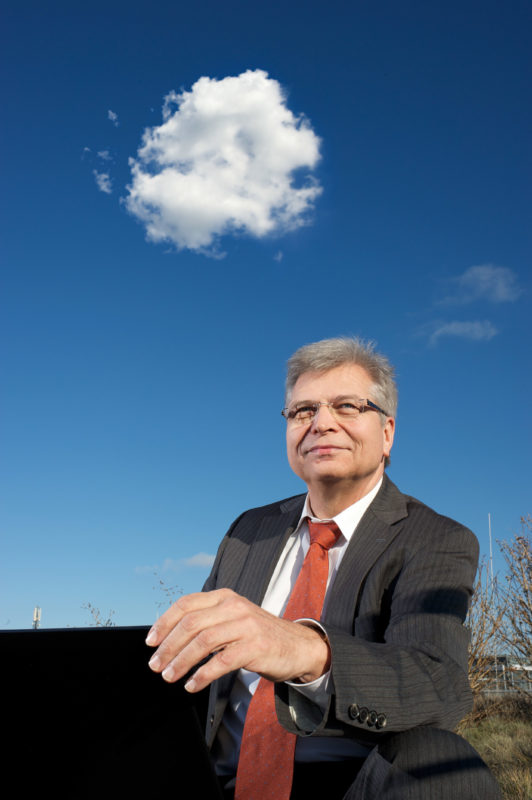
323, 449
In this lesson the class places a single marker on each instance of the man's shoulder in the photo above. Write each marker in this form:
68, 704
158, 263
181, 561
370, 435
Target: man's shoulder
289, 505
416, 515
421, 511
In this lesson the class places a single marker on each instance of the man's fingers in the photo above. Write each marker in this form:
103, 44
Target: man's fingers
230, 658
198, 629
185, 605
167, 621
217, 636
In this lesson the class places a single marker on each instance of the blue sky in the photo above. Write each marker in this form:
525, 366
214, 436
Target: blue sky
193, 193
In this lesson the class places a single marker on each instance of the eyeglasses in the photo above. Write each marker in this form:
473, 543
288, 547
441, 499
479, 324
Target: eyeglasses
342, 408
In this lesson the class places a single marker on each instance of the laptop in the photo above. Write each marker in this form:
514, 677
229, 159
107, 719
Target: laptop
84, 717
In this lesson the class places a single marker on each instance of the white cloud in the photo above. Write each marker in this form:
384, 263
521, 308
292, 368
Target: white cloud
475, 331
224, 160
103, 181
113, 116
105, 155
199, 560
485, 282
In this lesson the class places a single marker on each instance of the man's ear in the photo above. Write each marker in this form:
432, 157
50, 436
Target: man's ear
388, 433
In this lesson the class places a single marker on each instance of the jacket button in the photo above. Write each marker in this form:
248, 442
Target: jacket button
381, 721
363, 714
211, 721
353, 711
372, 719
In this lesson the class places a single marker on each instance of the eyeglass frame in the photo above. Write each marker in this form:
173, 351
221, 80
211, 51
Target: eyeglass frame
368, 405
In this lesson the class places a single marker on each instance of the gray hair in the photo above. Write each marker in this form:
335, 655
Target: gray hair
329, 353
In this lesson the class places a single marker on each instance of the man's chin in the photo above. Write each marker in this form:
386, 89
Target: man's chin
330, 476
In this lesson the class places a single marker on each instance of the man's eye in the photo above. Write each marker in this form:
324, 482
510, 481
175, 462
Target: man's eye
303, 411
347, 407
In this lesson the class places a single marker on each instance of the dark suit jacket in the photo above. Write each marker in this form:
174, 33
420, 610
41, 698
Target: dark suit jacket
394, 617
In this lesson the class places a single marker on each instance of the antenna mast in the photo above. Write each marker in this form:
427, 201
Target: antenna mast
491, 549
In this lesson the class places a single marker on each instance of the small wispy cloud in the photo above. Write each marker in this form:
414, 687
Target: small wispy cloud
229, 157
474, 331
105, 155
278, 256
486, 282
199, 560
103, 181
113, 117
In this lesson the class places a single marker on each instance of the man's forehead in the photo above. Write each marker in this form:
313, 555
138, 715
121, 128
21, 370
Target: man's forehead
345, 377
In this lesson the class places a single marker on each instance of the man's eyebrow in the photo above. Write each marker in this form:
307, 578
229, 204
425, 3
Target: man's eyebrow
333, 400
346, 397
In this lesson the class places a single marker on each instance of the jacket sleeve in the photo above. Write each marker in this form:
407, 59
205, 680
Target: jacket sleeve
413, 670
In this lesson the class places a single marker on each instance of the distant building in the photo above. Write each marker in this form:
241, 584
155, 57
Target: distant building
507, 674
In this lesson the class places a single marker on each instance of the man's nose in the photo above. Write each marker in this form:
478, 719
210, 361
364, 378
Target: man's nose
324, 419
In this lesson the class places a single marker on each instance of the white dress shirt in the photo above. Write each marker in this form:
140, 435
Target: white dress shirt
315, 748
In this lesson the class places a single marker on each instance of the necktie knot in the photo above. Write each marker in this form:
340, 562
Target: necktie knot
323, 533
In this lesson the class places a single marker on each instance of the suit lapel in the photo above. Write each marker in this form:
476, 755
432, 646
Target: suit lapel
265, 550
375, 532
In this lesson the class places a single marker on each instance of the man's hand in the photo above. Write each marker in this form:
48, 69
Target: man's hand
236, 634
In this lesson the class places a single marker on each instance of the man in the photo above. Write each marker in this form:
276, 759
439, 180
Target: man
355, 691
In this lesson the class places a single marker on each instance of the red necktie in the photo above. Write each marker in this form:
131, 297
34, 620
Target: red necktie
266, 763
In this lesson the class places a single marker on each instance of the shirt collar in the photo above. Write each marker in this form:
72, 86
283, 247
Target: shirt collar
348, 519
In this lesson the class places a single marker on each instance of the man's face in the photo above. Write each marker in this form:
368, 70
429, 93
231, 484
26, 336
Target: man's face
328, 450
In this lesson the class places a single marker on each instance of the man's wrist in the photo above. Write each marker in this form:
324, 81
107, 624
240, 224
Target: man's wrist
322, 653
